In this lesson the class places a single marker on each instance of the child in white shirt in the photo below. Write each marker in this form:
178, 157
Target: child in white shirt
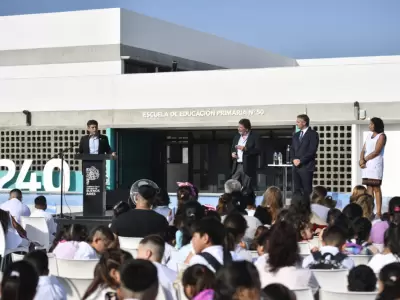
48, 287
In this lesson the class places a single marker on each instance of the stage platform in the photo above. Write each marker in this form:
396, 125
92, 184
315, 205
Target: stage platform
77, 218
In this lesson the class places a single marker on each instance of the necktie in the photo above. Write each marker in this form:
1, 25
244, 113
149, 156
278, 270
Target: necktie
301, 135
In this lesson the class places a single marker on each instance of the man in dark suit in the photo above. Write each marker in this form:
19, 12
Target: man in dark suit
94, 142
304, 149
245, 149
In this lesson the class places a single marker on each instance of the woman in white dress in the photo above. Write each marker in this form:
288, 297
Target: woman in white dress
371, 161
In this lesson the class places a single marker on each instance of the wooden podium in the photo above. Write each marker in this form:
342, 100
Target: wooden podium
94, 183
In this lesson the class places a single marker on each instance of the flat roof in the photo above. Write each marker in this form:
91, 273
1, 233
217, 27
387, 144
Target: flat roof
108, 34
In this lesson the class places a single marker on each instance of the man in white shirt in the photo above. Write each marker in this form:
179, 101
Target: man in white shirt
152, 248
40, 212
48, 287
15, 206
245, 150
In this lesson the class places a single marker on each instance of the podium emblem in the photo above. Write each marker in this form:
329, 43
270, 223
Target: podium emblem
92, 174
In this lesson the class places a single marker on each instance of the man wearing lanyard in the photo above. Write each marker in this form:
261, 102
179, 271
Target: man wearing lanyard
245, 149
303, 151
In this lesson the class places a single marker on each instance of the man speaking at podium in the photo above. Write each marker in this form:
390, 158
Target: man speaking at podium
94, 142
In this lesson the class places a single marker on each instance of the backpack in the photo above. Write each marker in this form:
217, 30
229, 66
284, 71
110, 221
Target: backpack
327, 261
213, 262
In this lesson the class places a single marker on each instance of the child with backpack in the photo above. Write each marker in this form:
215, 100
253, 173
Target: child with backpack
358, 244
210, 244
330, 255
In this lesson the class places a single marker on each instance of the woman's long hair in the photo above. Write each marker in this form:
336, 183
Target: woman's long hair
272, 201
237, 276
111, 259
235, 225
283, 248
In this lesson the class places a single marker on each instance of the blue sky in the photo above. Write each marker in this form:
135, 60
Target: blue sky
296, 28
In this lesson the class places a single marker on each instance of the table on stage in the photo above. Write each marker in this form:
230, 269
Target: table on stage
284, 168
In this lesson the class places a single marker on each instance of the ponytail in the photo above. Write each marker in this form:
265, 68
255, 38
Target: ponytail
111, 259
19, 282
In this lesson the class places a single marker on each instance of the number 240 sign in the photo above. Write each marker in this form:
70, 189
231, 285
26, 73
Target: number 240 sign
32, 184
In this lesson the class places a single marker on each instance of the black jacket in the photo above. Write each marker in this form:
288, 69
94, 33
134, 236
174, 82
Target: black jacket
249, 156
306, 149
104, 145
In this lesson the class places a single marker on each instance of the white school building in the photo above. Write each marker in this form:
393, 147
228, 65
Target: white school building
179, 93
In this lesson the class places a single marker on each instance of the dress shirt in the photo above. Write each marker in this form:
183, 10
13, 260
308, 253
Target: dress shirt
94, 144
16, 209
85, 251
40, 213
49, 288
166, 278
242, 142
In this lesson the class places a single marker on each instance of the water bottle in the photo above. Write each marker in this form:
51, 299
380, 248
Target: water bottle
288, 155
275, 158
279, 158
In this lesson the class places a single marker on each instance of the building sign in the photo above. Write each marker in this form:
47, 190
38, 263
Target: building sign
32, 183
203, 113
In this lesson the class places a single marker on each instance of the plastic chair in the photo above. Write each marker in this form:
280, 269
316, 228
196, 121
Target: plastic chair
345, 295
332, 279
380, 247
304, 248
74, 288
75, 276
17, 257
36, 230
303, 294
254, 254
181, 268
360, 259
53, 270
4, 251
315, 242
179, 290
129, 242
76, 269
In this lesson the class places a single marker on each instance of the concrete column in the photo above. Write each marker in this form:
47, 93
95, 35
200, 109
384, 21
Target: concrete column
356, 146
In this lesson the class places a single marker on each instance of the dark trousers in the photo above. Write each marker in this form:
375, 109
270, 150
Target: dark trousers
303, 181
242, 177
